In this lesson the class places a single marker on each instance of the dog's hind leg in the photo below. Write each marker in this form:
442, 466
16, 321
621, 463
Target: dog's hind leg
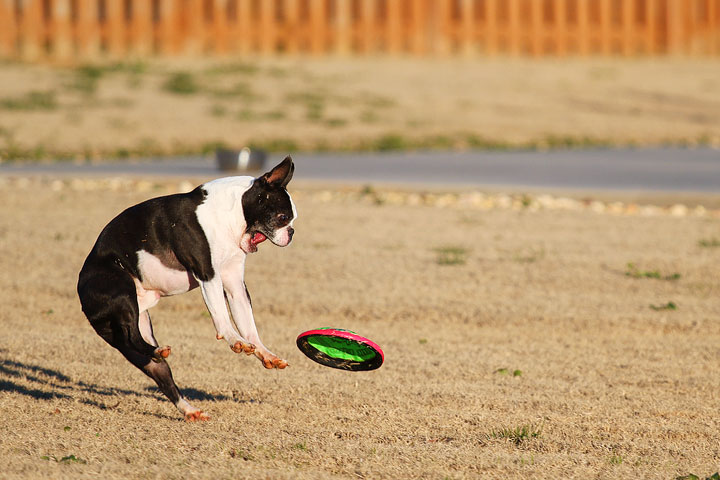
113, 311
146, 330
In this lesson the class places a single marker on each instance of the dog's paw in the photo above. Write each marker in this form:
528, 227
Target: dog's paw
270, 361
196, 416
242, 347
162, 352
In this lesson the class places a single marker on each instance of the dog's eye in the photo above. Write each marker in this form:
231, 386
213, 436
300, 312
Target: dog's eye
282, 217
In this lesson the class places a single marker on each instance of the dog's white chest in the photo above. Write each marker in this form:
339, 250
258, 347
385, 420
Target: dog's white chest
156, 276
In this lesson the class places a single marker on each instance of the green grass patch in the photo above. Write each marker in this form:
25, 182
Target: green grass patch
667, 306
507, 371
634, 272
451, 255
692, 476
34, 100
181, 83
238, 68
517, 435
66, 459
709, 243
241, 90
531, 255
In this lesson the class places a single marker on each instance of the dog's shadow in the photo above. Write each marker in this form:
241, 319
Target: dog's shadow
42, 383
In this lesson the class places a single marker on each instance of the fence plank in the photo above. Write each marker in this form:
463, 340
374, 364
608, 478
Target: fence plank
490, 27
714, 27
30, 30
627, 20
290, 31
675, 19
341, 27
318, 21
87, 31
59, 38
560, 30
514, 32
8, 28
141, 27
393, 26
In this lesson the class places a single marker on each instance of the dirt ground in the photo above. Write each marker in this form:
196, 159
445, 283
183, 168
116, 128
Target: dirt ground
519, 343
166, 107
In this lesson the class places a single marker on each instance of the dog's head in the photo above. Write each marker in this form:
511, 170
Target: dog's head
269, 211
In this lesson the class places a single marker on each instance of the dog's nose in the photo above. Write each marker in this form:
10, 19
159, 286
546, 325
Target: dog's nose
290, 233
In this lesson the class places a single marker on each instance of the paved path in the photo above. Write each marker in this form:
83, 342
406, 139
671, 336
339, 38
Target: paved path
662, 169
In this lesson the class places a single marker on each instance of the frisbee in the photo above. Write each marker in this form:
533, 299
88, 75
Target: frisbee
338, 348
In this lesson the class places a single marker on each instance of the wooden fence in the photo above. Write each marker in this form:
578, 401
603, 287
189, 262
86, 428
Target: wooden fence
72, 29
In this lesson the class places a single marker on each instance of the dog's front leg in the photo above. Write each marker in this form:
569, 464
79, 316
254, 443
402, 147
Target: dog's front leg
239, 300
213, 295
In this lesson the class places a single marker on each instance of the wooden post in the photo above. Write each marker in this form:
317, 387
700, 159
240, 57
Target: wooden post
87, 30
8, 29
560, 27
291, 30
675, 19
318, 22
628, 27
650, 28
467, 27
418, 28
219, 28
267, 27
606, 32
60, 31
30, 30
193, 16
537, 29
115, 28
441, 30
168, 37
341, 27
367, 32
141, 27
394, 31
583, 27
491, 30
514, 20
713, 11
244, 27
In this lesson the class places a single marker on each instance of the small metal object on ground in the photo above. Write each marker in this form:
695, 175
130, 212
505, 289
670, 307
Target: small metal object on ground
244, 160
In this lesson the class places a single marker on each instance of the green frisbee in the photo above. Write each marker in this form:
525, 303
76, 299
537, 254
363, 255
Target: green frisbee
338, 348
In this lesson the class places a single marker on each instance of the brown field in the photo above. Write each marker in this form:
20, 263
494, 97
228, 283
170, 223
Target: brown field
516, 347
171, 107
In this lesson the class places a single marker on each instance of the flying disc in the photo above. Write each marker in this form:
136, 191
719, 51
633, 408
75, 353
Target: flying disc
338, 348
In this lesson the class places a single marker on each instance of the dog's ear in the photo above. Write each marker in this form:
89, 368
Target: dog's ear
281, 175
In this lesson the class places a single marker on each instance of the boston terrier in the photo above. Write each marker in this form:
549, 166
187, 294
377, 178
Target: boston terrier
172, 244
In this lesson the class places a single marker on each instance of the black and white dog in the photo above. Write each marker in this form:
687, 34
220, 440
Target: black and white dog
172, 244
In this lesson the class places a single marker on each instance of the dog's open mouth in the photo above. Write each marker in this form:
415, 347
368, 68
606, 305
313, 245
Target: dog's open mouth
256, 239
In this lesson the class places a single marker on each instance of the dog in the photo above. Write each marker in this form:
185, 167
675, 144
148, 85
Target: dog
172, 244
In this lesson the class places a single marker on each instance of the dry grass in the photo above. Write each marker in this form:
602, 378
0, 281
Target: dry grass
372, 103
552, 368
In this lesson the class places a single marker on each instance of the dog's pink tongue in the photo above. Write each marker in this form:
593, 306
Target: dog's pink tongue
258, 238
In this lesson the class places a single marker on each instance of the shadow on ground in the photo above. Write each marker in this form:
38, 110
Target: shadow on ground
42, 383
